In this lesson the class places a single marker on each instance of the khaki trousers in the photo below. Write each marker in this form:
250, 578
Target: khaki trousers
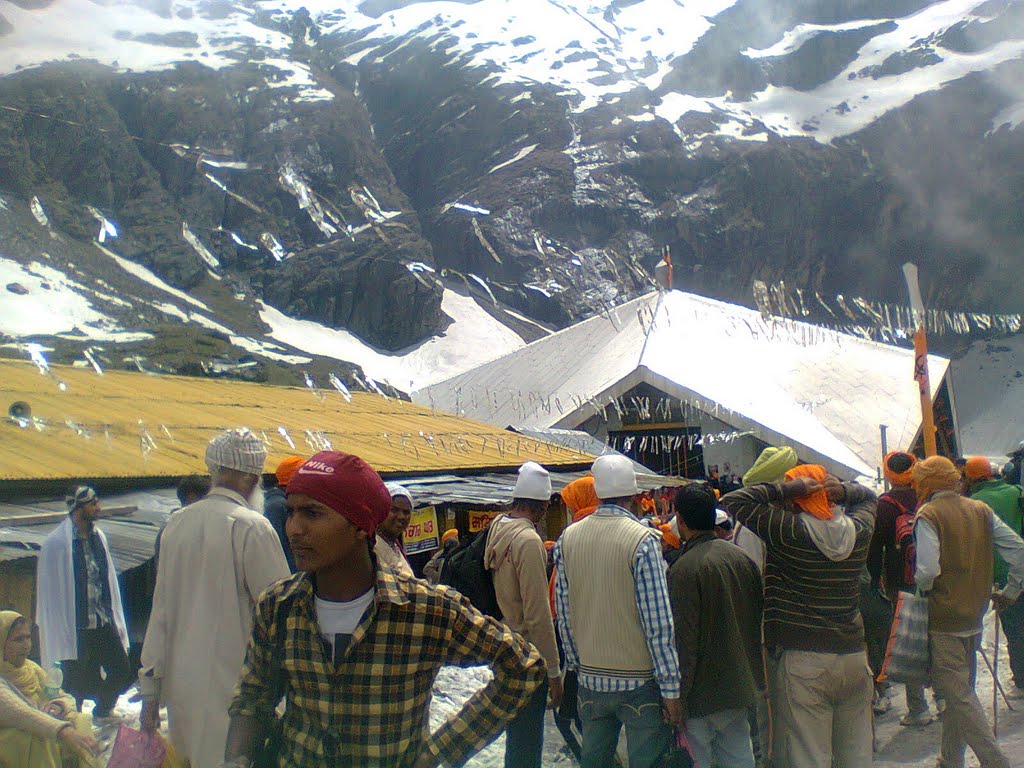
954, 667
823, 710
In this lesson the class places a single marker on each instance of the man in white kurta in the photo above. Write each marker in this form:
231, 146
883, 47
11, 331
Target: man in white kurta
216, 557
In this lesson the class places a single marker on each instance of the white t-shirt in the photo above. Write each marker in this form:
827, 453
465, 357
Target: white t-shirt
337, 621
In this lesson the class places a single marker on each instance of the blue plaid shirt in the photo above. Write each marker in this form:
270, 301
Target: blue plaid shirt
652, 601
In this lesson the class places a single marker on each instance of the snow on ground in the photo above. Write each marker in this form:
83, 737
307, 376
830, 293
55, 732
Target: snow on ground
472, 339
54, 304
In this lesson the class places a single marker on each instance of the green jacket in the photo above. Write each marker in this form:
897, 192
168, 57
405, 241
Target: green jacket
716, 595
1005, 502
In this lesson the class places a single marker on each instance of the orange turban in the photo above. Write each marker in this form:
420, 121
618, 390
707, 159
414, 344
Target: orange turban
906, 477
451, 533
580, 497
669, 536
548, 546
287, 469
817, 503
978, 468
934, 474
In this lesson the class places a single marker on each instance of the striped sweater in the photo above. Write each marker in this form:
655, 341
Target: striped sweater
811, 603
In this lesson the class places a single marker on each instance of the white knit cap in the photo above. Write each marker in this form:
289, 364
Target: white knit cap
237, 449
534, 482
614, 477
399, 491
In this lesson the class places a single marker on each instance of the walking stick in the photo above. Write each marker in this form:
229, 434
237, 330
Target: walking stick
995, 684
998, 685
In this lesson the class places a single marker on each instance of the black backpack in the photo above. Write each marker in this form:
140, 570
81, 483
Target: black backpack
464, 571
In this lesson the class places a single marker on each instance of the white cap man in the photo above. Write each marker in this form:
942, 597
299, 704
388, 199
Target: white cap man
216, 556
516, 556
390, 546
616, 623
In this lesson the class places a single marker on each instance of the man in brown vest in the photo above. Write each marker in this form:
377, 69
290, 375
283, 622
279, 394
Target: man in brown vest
955, 539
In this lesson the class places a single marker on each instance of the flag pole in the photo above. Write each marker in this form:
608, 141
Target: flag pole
921, 359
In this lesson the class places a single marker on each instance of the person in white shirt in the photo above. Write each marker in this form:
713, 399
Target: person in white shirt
389, 547
955, 539
216, 557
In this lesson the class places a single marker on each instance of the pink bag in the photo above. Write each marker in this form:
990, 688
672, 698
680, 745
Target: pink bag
135, 749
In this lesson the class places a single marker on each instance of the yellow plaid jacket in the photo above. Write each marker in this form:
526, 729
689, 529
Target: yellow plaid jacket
372, 710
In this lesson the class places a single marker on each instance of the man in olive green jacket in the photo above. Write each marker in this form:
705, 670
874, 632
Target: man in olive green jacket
716, 593
1005, 501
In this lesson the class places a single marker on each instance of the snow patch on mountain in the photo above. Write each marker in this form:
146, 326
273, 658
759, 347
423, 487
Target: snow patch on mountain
594, 50
471, 340
39, 300
128, 36
596, 53
147, 276
856, 97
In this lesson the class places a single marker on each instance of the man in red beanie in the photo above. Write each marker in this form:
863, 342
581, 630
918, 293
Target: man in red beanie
355, 647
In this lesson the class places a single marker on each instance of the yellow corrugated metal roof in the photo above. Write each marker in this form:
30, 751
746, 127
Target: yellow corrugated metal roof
122, 412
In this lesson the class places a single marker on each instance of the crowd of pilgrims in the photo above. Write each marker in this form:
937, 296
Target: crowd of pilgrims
739, 622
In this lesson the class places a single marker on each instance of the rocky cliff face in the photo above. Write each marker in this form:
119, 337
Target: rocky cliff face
345, 161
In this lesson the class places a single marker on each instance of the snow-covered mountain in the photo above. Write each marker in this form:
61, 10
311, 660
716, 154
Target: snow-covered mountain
334, 179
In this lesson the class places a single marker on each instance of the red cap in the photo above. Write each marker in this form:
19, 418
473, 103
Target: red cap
346, 484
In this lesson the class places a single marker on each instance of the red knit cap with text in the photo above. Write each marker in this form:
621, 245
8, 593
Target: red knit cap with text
346, 484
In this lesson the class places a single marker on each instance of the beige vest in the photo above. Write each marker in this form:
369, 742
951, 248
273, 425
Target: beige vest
598, 554
961, 592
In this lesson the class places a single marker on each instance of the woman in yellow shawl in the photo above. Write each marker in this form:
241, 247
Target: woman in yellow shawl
35, 730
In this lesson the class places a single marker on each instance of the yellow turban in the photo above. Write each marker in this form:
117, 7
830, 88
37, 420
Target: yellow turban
934, 474
451, 533
771, 466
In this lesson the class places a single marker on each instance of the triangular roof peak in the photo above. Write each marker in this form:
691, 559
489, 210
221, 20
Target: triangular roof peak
823, 391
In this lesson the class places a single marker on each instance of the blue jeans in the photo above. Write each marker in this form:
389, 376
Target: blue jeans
524, 736
649, 737
722, 739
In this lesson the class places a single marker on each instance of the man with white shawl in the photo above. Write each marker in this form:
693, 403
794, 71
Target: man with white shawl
216, 557
78, 607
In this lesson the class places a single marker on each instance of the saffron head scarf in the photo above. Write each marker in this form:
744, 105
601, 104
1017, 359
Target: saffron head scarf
894, 474
287, 468
817, 503
934, 474
580, 497
451, 533
27, 678
978, 468
669, 536
771, 466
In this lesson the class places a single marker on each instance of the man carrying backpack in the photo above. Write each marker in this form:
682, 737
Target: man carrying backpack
891, 558
516, 557
1005, 501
